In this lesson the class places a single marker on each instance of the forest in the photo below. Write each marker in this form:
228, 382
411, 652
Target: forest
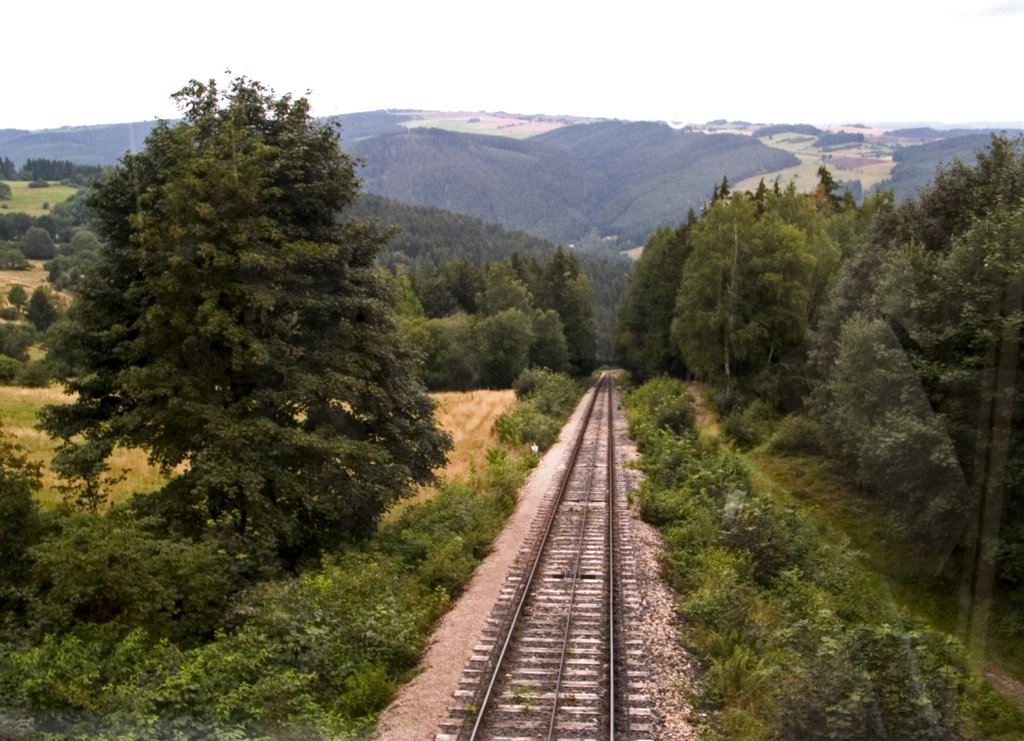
882, 341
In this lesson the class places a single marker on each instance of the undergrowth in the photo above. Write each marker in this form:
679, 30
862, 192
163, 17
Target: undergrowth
797, 639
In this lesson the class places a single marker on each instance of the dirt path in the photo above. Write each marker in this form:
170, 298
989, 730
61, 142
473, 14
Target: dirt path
707, 420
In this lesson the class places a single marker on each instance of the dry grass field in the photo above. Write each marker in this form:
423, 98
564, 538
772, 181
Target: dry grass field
468, 416
18, 409
869, 162
28, 279
495, 124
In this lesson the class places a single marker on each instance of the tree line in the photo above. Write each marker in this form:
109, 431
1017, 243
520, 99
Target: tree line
479, 326
890, 333
42, 170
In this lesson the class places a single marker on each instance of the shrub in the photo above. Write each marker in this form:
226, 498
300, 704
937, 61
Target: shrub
657, 409
9, 370
11, 258
750, 426
798, 435
34, 374
16, 339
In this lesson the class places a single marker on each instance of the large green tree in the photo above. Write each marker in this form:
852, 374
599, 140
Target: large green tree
238, 331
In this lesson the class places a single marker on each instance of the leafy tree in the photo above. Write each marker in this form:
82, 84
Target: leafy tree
37, 244
11, 258
17, 296
19, 516
15, 339
645, 314
569, 293
42, 308
240, 333
549, 349
504, 340
503, 290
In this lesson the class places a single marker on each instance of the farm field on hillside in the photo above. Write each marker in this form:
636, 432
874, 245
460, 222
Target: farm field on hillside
869, 162
31, 201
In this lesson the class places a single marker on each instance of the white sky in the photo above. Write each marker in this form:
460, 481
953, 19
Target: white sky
814, 61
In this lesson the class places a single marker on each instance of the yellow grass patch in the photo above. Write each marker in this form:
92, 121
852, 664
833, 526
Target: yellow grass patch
469, 417
28, 279
19, 409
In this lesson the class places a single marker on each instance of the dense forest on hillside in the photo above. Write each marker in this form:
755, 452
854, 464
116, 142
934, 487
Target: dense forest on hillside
427, 238
890, 333
619, 178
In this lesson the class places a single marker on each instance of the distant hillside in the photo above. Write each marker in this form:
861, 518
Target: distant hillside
612, 177
569, 180
430, 236
83, 145
915, 166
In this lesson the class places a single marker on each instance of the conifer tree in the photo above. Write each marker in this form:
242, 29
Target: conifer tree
235, 329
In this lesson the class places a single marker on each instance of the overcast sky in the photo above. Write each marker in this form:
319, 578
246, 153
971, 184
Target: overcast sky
859, 61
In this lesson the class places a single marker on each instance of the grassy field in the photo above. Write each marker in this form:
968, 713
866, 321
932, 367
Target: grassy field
31, 201
868, 162
468, 416
29, 279
18, 417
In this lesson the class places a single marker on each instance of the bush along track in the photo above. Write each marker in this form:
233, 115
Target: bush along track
797, 639
310, 656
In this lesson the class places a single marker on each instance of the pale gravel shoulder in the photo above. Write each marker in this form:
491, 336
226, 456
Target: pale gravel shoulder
672, 670
416, 712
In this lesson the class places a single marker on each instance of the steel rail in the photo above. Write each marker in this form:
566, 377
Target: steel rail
572, 603
563, 486
612, 492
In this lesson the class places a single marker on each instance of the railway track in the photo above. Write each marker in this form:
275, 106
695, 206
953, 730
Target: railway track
556, 660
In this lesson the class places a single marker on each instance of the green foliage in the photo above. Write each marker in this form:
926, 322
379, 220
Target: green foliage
37, 244
659, 404
750, 425
43, 309
504, 340
796, 639
798, 435
645, 314
5, 192
19, 517
17, 296
16, 339
245, 333
751, 284
12, 258
113, 569
545, 400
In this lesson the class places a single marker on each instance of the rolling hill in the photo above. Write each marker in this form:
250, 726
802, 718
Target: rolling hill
613, 177
572, 180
